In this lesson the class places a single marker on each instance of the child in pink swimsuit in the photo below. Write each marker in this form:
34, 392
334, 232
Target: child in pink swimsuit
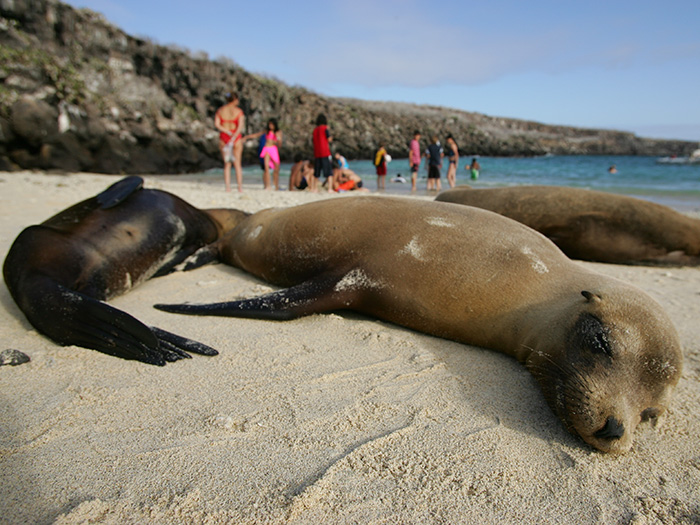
271, 154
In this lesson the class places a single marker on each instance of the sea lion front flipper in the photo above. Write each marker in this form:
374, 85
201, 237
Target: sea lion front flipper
72, 318
181, 345
317, 295
119, 191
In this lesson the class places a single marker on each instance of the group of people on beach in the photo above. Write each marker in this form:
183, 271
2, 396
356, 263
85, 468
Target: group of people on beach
434, 155
229, 120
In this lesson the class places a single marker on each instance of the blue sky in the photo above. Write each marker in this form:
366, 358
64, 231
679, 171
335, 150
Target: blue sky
628, 65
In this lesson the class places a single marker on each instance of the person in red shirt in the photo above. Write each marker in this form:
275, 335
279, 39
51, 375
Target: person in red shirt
322, 153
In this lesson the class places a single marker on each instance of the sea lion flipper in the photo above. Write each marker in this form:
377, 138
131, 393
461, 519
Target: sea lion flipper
119, 191
317, 295
184, 262
112, 341
72, 318
182, 343
117, 333
97, 325
205, 255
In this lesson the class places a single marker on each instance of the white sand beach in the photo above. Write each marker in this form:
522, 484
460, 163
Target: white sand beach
327, 419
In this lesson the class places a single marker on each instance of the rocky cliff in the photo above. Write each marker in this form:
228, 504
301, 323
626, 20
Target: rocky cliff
79, 94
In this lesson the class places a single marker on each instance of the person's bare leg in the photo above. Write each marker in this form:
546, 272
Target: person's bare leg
266, 172
238, 152
276, 177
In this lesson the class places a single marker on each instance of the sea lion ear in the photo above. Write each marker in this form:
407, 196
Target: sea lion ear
591, 297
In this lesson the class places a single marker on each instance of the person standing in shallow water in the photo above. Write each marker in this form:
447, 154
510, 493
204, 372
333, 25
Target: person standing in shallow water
435, 156
322, 153
230, 120
474, 168
414, 158
453, 156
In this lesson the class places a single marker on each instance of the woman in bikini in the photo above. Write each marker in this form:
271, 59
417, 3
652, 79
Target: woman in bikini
229, 120
270, 154
453, 156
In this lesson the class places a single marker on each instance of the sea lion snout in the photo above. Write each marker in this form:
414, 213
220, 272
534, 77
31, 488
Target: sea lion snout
612, 429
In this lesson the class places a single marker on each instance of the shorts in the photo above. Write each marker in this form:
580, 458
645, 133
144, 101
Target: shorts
433, 172
381, 169
322, 164
414, 168
303, 184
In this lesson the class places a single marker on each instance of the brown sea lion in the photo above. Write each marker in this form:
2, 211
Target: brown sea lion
61, 270
605, 354
593, 225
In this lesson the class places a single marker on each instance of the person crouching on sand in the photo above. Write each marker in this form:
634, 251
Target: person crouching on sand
302, 172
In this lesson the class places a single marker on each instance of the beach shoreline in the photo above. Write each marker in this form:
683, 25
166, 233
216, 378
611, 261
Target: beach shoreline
640, 177
329, 418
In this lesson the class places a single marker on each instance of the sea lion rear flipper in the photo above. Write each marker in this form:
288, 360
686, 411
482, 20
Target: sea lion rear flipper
318, 295
205, 255
185, 260
119, 191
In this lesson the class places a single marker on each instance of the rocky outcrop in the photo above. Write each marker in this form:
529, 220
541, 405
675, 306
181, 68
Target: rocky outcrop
79, 94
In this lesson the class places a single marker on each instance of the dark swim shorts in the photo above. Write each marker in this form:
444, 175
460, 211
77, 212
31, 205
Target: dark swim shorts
322, 164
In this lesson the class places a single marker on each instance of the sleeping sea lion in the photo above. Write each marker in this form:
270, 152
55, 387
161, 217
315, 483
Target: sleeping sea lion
593, 225
605, 354
60, 271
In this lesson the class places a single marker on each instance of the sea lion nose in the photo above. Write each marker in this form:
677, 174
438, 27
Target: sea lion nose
612, 429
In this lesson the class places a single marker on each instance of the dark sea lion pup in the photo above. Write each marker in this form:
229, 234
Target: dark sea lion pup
605, 354
60, 271
593, 225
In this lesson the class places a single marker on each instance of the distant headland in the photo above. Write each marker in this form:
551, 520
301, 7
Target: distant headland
79, 94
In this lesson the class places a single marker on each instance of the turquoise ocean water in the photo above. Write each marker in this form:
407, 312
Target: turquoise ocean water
673, 185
